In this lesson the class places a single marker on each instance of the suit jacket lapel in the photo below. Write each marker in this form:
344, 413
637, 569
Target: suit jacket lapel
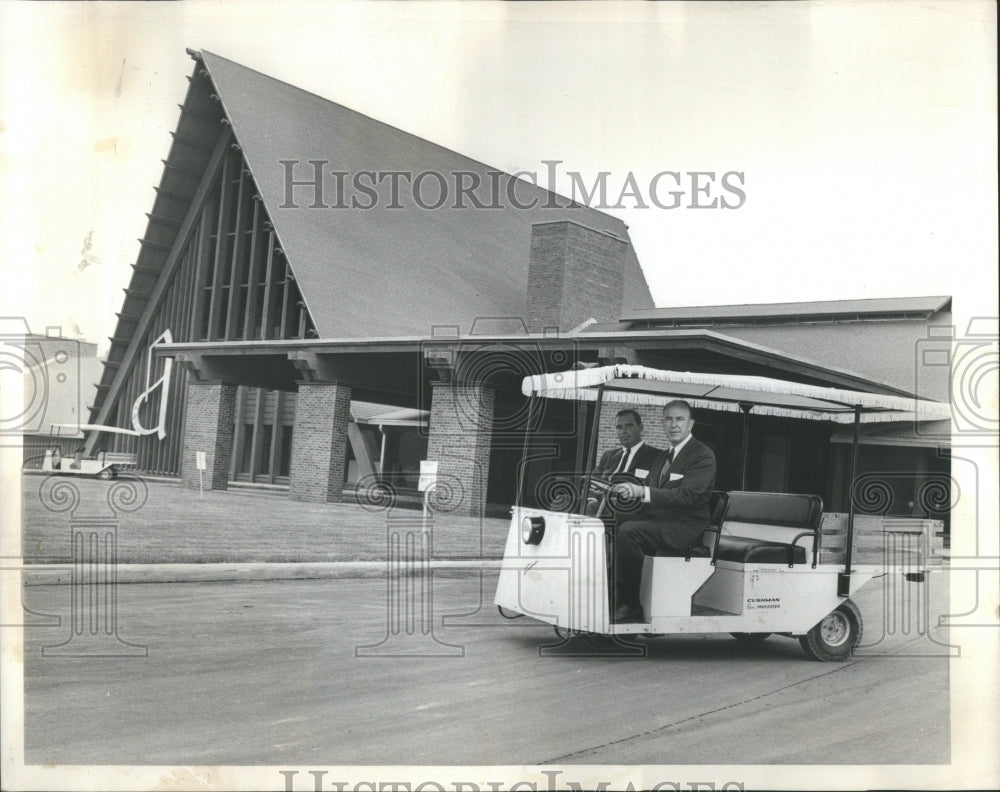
667, 464
618, 461
665, 469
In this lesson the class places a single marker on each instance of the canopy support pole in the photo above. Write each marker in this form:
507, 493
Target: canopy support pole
580, 458
524, 452
592, 449
746, 407
844, 578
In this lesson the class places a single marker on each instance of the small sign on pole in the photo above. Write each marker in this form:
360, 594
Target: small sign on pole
427, 482
428, 475
201, 464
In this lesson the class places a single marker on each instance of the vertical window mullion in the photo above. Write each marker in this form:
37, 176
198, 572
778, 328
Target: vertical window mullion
234, 263
216, 293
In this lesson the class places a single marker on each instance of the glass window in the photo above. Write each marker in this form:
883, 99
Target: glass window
285, 452
264, 454
246, 448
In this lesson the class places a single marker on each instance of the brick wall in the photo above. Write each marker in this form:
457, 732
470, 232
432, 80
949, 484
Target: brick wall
209, 413
319, 442
652, 425
461, 423
574, 273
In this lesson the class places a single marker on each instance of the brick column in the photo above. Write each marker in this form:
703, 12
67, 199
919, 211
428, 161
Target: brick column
461, 426
319, 442
208, 426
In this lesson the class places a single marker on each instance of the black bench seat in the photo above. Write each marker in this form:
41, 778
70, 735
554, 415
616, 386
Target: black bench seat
769, 528
743, 550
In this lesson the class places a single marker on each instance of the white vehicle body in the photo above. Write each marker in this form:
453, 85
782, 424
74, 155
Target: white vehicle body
563, 581
555, 566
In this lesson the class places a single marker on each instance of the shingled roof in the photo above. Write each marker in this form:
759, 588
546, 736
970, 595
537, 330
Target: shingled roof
389, 271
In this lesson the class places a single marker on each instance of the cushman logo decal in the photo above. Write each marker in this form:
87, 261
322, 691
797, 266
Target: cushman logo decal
756, 603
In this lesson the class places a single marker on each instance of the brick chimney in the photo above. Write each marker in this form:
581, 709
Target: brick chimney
574, 273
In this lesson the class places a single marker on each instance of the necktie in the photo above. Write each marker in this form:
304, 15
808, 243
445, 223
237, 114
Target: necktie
622, 461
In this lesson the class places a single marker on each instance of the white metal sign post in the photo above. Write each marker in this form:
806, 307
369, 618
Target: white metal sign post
199, 457
428, 480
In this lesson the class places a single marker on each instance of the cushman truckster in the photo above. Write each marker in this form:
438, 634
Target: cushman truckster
758, 569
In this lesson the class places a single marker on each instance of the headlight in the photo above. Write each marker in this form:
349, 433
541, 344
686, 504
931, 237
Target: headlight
532, 530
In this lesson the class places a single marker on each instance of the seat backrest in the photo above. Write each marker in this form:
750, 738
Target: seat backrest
772, 516
717, 507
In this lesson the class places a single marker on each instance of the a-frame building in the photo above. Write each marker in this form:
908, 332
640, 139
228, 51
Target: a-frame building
243, 244
304, 257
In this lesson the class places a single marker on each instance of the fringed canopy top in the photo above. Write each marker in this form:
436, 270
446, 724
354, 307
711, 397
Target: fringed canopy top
626, 384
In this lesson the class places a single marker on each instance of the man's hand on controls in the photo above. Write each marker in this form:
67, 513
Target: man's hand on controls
628, 491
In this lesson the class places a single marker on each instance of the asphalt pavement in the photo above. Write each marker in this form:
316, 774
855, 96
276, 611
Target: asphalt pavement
331, 672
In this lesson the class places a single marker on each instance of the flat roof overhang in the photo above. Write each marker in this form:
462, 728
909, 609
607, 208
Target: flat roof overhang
405, 366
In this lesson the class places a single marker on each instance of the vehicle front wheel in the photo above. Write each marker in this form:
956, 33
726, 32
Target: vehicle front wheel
107, 474
837, 636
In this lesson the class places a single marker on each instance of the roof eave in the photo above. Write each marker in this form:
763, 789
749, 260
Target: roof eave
648, 339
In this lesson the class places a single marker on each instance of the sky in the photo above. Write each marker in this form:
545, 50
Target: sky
865, 133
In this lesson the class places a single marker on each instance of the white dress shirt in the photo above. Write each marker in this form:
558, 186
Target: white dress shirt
627, 456
676, 450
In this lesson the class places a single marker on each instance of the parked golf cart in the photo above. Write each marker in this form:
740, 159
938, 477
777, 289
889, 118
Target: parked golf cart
758, 569
104, 465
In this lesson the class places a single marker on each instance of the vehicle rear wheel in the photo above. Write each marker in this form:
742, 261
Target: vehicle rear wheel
837, 636
107, 474
750, 636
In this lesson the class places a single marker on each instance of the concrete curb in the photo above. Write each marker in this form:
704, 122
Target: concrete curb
62, 574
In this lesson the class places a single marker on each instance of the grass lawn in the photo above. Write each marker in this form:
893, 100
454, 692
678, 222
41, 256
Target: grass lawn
174, 525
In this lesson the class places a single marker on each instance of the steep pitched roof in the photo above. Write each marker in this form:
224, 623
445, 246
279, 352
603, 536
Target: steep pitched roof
389, 271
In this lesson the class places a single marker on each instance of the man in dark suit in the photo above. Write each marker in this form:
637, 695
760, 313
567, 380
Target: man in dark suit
675, 511
632, 456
